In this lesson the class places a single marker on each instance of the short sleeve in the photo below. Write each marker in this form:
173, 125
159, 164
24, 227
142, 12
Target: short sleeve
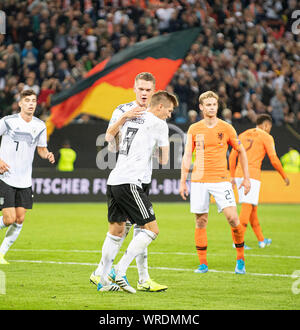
42, 140
115, 116
2, 126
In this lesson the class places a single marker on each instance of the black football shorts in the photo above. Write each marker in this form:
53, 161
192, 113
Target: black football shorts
129, 201
15, 197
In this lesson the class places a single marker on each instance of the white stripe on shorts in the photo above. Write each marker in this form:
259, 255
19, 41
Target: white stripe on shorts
139, 201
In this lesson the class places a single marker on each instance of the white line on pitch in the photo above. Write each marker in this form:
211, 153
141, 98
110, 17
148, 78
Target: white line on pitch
172, 253
160, 268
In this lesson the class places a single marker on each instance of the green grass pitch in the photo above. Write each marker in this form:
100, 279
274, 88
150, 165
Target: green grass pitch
59, 247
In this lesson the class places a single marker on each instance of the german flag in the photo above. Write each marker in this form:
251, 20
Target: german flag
111, 82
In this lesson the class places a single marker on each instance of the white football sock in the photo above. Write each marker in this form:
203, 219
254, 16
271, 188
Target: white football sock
110, 248
2, 224
137, 246
141, 260
11, 235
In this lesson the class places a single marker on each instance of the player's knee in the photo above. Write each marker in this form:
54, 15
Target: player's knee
233, 220
117, 229
9, 219
201, 221
20, 219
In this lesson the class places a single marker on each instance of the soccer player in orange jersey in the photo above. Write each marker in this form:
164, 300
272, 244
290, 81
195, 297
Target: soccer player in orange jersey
210, 138
257, 142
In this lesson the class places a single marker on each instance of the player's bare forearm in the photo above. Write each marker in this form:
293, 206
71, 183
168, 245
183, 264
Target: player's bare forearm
46, 154
185, 167
232, 162
244, 163
114, 129
278, 167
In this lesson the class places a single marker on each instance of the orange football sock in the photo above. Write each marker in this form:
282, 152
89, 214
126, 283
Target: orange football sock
245, 214
201, 244
255, 225
238, 239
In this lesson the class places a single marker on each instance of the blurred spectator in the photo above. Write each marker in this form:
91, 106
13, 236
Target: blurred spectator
30, 84
182, 90
227, 115
193, 116
13, 60
278, 108
29, 55
164, 14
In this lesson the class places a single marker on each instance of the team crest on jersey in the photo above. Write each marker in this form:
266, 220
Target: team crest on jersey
220, 136
1, 200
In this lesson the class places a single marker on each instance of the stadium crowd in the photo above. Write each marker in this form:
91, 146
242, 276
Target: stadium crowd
246, 52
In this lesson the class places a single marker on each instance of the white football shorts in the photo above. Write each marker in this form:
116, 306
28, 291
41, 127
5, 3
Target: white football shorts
252, 196
201, 192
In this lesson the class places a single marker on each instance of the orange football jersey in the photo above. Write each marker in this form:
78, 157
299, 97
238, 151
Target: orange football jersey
257, 144
211, 145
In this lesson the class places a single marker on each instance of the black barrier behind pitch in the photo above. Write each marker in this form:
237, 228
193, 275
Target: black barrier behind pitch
85, 137
89, 185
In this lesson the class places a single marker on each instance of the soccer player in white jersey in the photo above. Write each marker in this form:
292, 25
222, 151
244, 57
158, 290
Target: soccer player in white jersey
144, 87
21, 134
139, 136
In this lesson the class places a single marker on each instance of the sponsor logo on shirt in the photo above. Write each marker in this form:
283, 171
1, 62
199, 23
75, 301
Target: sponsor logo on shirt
138, 120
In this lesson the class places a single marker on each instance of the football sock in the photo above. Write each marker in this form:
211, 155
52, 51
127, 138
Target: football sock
11, 235
238, 239
245, 214
110, 248
2, 224
137, 246
255, 225
201, 244
141, 260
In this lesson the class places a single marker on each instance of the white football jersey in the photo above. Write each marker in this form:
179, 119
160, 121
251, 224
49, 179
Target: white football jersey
118, 112
19, 141
138, 138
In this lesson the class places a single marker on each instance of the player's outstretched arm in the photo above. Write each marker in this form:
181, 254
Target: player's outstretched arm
46, 154
244, 163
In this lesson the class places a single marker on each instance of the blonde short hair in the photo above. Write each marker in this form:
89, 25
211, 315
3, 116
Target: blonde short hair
207, 95
163, 97
145, 76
